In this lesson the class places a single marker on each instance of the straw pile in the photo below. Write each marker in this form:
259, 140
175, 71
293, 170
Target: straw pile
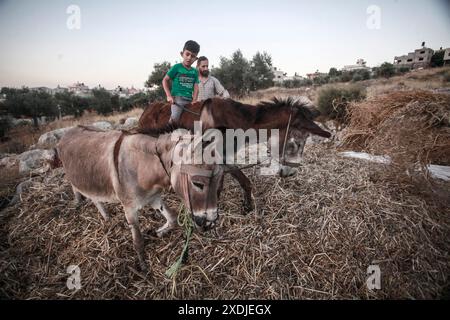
314, 236
412, 127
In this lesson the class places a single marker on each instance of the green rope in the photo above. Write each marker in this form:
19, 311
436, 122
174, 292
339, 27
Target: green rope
184, 220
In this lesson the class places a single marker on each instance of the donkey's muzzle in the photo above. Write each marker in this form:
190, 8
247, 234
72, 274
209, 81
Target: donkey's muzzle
203, 224
200, 221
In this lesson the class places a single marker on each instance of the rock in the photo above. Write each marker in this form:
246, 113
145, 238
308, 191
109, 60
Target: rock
128, 123
50, 139
103, 125
21, 122
9, 161
37, 159
20, 188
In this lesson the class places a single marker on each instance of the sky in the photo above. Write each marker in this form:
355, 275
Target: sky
111, 43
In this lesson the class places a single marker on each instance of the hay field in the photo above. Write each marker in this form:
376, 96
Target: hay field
313, 237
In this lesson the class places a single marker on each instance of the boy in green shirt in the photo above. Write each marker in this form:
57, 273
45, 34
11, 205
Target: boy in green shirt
184, 81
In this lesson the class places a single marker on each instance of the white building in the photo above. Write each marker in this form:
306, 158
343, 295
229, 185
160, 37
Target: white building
279, 76
360, 65
44, 89
447, 56
59, 89
125, 92
80, 89
420, 58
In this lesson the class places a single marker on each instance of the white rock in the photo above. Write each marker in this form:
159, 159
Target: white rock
51, 138
21, 122
130, 122
8, 161
103, 125
37, 159
366, 156
439, 172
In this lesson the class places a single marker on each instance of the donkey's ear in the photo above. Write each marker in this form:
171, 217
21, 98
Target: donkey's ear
206, 115
313, 128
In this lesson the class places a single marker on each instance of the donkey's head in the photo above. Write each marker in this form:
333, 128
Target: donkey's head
300, 125
198, 183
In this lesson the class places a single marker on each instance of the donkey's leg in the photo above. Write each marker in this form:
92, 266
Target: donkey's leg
78, 197
138, 240
168, 213
102, 210
246, 185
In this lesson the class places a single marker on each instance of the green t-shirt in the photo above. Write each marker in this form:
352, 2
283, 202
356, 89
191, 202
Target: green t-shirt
183, 80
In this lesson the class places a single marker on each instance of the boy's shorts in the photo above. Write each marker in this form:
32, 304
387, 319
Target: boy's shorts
176, 110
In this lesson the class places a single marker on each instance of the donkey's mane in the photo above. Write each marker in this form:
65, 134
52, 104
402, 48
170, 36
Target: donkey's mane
156, 132
275, 104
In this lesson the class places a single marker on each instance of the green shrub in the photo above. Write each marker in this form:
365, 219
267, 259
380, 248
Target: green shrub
333, 101
5, 125
447, 76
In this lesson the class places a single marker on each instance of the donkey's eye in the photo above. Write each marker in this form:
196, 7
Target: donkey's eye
198, 185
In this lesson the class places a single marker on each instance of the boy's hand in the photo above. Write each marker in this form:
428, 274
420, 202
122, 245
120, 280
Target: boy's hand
170, 99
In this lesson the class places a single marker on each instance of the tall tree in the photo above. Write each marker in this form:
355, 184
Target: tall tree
158, 73
233, 73
261, 74
155, 79
437, 60
30, 103
386, 70
102, 101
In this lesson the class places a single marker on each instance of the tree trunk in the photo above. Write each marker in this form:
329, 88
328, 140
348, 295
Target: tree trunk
35, 122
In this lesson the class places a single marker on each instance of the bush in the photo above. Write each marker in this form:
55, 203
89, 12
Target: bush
447, 76
386, 70
402, 70
5, 125
333, 101
437, 60
357, 77
345, 77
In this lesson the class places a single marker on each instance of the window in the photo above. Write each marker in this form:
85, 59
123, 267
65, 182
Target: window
422, 52
409, 60
420, 59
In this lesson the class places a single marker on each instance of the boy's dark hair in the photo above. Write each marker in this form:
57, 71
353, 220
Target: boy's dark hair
200, 59
192, 46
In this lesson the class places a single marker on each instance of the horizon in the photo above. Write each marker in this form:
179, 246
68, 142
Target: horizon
50, 43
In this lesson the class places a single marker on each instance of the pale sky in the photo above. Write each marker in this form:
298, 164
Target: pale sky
119, 41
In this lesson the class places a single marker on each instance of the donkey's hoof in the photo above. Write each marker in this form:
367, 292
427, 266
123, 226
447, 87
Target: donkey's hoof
161, 232
248, 207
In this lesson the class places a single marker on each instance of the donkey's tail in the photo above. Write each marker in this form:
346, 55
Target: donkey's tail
55, 161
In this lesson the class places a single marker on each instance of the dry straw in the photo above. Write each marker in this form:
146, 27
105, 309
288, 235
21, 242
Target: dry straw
314, 236
412, 127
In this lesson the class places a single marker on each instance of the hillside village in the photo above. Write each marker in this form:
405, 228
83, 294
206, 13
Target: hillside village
418, 59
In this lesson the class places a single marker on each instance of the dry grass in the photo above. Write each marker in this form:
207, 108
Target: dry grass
314, 237
260, 95
8, 182
427, 79
412, 127
25, 136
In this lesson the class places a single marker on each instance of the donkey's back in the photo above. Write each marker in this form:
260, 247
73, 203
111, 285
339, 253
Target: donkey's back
87, 156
